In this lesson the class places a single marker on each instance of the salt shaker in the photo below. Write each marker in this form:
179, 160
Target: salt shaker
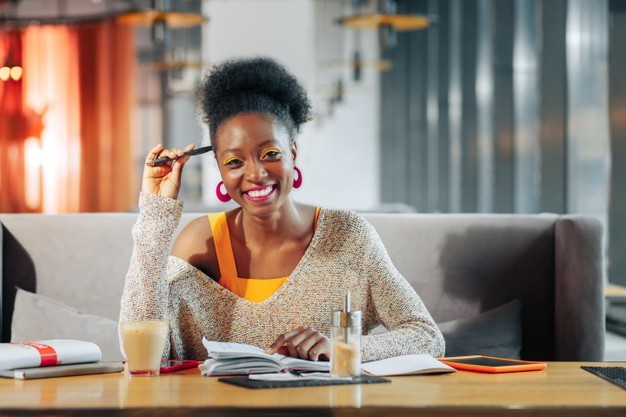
345, 339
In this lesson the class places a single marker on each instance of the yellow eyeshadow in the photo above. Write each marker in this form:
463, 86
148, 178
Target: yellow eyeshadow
229, 160
272, 150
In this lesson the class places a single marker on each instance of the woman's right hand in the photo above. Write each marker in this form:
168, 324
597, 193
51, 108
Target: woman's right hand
304, 343
164, 180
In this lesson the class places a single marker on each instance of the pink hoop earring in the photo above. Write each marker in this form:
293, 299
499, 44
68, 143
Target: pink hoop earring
223, 197
297, 183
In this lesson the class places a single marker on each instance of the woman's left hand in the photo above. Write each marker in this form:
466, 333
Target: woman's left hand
303, 343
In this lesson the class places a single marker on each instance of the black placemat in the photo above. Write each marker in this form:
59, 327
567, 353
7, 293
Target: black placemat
613, 374
243, 381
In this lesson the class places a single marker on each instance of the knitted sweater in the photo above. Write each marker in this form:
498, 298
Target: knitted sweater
345, 253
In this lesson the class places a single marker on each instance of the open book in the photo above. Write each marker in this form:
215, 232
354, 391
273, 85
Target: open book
19, 355
240, 359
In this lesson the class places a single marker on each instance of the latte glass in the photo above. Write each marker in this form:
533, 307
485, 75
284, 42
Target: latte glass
144, 342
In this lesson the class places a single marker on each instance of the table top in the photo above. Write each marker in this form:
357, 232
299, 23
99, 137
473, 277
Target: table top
561, 387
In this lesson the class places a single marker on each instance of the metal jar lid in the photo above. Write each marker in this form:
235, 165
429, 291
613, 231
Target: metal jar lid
346, 319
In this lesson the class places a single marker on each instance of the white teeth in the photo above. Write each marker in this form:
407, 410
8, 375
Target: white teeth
260, 193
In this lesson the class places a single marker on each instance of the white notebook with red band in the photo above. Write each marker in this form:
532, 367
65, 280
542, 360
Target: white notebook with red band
47, 353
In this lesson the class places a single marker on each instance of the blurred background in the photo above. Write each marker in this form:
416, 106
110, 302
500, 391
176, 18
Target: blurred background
486, 106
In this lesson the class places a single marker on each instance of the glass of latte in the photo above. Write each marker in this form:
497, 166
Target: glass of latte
144, 342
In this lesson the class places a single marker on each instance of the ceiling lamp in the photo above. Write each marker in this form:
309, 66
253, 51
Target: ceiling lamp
159, 19
173, 20
399, 22
386, 21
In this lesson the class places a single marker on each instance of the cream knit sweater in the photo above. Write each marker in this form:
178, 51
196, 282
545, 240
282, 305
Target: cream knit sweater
345, 253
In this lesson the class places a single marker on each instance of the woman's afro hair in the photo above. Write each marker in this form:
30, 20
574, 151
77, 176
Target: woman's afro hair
258, 85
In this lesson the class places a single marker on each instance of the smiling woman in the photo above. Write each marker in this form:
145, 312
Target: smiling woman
270, 272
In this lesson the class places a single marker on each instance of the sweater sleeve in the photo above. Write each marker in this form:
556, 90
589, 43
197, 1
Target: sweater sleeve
411, 329
145, 290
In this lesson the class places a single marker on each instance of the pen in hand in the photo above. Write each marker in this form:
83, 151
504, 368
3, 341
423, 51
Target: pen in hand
163, 160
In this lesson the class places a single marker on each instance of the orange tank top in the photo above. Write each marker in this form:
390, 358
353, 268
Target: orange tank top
252, 289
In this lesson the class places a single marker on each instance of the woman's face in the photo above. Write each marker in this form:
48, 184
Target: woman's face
256, 160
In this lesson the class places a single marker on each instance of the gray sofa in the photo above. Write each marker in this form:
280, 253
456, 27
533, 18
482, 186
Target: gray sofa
532, 283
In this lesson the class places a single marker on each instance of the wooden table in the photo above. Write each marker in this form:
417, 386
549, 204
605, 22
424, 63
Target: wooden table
562, 389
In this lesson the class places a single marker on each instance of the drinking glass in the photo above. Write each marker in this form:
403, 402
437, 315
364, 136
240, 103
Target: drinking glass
144, 342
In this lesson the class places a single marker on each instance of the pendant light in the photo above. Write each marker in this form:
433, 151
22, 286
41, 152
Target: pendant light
160, 19
387, 22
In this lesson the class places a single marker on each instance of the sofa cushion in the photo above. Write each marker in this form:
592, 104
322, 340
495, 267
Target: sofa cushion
496, 332
36, 317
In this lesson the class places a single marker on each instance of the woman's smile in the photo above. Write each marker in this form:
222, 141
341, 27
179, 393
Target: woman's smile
260, 193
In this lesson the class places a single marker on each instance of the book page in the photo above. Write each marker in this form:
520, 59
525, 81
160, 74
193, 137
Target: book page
406, 365
244, 366
296, 364
237, 358
226, 351
225, 358
231, 347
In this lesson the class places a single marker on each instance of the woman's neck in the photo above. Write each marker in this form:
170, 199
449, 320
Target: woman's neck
291, 221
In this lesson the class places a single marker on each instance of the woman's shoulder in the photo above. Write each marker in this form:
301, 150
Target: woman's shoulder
192, 239
344, 222
342, 215
198, 226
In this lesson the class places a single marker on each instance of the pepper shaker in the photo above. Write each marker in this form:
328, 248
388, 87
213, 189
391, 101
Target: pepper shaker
345, 339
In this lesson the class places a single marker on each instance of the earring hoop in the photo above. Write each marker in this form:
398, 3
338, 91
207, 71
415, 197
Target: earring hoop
297, 182
223, 197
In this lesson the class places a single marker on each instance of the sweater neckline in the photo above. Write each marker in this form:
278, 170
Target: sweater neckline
290, 282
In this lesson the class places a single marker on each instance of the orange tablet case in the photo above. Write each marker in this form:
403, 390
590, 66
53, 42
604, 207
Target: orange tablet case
508, 365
